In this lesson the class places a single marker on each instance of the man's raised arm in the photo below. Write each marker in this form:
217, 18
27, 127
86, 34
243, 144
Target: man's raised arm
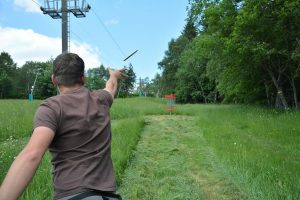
112, 83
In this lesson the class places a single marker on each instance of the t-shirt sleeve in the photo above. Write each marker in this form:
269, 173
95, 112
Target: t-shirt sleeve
106, 97
46, 116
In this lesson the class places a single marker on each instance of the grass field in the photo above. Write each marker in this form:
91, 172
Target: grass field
234, 152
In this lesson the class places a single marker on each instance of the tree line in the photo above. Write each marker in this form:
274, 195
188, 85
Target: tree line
236, 51
16, 82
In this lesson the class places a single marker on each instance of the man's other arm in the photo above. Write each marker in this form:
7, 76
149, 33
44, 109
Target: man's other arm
25, 165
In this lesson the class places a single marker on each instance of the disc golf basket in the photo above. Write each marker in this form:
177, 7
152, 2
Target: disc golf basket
170, 107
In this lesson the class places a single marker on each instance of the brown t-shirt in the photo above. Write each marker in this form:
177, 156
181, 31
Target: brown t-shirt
81, 148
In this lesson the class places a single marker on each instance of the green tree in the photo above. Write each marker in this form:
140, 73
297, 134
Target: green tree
41, 71
194, 86
148, 87
264, 40
96, 78
254, 49
8, 71
156, 85
44, 85
126, 85
170, 63
203, 61
190, 30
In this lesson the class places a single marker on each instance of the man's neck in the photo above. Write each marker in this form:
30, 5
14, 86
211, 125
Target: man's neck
64, 89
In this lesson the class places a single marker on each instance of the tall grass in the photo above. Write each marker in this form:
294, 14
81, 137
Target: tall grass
132, 107
16, 117
258, 149
125, 137
16, 125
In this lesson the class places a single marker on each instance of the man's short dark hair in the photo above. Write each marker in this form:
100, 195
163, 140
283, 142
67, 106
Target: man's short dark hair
68, 68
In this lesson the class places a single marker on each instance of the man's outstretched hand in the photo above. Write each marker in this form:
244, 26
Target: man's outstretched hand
117, 73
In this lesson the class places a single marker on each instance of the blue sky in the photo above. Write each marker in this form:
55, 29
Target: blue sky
144, 25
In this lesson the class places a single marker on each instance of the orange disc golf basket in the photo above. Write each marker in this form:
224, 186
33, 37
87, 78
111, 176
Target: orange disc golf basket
170, 107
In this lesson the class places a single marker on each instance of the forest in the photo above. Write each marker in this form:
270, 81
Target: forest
236, 51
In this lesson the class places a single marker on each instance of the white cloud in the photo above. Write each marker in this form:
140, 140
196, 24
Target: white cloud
28, 5
89, 54
26, 45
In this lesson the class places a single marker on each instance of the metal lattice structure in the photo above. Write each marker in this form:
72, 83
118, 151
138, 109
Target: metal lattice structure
60, 9
54, 9
78, 8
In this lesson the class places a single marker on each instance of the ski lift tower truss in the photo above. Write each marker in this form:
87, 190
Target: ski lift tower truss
79, 8
54, 9
60, 9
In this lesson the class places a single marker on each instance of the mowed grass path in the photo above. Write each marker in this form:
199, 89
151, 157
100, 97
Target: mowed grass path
174, 161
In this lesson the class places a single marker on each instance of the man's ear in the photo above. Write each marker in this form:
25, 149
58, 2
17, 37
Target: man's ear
82, 80
53, 79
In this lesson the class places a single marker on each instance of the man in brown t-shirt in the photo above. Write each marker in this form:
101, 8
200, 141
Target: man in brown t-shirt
75, 127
